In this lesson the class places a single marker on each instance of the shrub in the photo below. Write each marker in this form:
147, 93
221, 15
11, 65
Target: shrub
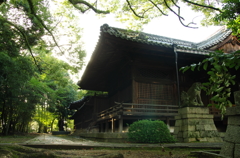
148, 131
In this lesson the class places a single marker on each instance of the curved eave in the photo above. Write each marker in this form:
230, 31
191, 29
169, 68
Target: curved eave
215, 39
114, 42
107, 57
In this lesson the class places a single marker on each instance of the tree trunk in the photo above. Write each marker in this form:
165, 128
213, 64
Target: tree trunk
6, 130
52, 124
61, 124
45, 129
40, 127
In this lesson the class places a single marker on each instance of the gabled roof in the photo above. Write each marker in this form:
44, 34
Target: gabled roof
115, 44
181, 45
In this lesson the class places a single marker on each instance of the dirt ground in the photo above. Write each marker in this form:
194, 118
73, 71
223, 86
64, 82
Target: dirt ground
11, 149
25, 152
120, 154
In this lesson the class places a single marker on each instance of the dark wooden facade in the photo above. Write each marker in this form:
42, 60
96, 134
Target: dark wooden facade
140, 73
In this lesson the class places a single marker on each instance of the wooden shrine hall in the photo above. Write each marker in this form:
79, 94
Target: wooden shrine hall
138, 75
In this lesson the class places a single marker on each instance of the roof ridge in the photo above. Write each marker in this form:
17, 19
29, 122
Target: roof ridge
148, 38
215, 38
221, 29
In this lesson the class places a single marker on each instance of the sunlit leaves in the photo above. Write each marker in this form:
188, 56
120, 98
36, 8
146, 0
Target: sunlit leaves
136, 13
67, 31
230, 15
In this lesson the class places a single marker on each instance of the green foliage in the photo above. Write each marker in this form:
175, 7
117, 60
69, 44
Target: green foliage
147, 131
230, 15
136, 13
67, 19
32, 81
54, 89
219, 66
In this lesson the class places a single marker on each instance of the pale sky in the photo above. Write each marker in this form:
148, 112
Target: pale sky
168, 26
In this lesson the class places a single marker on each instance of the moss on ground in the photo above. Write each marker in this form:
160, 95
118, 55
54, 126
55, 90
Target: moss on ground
17, 151
17, 138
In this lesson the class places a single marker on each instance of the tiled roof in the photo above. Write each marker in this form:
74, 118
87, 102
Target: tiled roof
181, 45
216, 38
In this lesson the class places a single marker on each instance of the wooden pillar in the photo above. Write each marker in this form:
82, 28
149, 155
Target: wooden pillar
168, 122
120, 124
113, 125
106, 126
95, 105
101, 130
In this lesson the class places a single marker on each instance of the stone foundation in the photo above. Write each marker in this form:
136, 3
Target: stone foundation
231, 145
195, 124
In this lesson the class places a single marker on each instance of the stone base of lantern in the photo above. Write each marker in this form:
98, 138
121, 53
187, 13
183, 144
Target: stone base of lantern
195, 124
231, 145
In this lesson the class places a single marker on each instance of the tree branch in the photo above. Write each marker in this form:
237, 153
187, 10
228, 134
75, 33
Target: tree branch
180, 17
130, 6
81, 9
201, 5
41, 22
179, 9
57, 23
76, 2
24, 37
157, 7
147, 11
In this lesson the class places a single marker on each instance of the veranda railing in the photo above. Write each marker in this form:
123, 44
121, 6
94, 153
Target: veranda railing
138, 110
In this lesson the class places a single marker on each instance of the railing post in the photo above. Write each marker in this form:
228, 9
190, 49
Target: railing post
101, 127
106, 127
120, 124
113, 125
168, 122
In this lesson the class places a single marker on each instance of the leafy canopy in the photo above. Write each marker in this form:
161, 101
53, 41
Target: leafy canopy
139, 12
30, 77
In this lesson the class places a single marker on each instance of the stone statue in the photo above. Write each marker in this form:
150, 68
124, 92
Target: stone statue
237, 98
193, 96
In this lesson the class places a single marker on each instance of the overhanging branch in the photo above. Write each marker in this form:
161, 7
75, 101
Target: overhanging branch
201, 5
130, 6
179, 10
90, 6
166, 4
33, 12
24, 37
157, 7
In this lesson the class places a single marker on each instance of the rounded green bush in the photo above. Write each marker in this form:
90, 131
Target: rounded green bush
148, 131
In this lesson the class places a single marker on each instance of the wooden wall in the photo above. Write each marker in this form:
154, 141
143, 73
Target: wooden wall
229, 45
154, 93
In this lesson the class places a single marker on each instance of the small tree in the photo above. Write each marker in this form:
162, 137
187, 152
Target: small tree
148, 131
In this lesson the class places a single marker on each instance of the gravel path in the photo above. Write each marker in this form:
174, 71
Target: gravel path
54, 140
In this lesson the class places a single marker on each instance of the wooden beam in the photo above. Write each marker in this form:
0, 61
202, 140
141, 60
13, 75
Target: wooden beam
145, 104
155, 114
